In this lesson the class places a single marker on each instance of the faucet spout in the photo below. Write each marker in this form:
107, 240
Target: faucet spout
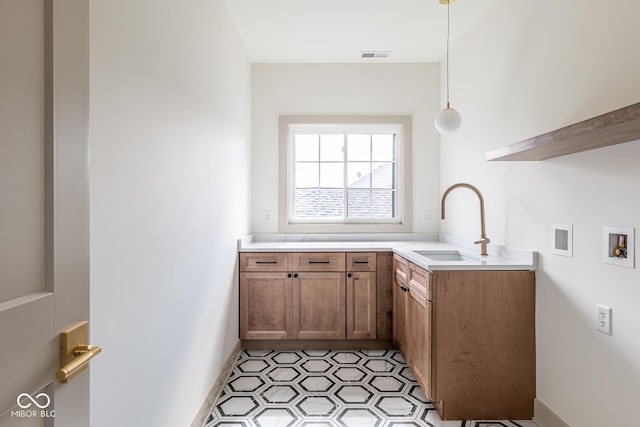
483, 237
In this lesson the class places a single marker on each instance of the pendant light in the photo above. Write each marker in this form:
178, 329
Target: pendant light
447, 120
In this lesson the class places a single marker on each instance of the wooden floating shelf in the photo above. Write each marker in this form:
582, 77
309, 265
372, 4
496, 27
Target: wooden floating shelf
612, 128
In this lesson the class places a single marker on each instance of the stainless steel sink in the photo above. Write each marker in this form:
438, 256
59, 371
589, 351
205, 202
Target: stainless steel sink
446, 256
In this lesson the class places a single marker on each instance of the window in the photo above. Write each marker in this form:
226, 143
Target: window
345, 172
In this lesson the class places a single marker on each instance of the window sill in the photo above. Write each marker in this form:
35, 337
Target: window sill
302, 228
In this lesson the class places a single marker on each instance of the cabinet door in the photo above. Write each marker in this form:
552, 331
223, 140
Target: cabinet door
361, 305
319, 306
266, 306
400, 329
420, 339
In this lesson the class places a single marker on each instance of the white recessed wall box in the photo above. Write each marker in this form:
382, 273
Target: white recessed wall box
618, 246
562, 239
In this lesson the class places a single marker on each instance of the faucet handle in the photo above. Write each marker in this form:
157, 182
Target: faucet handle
484, 240
483, 245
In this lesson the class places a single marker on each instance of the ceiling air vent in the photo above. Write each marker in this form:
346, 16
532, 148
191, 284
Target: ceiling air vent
375, 54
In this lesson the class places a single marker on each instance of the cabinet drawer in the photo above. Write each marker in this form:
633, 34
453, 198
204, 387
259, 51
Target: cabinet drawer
319, 261
361, 261
261, 261
401, 268
420, 281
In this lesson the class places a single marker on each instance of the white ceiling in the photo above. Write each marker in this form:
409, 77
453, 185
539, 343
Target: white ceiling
335, 31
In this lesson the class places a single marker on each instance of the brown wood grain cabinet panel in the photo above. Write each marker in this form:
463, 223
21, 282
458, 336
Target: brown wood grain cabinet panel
266, 306
483, 337
384, 300
319, 306
361, 305
292, 345
319, 261
265, 261
419, 280
400, 316
401, 267
361, 261
420, 339
614, 127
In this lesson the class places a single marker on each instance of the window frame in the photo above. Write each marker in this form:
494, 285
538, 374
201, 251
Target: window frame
364, 124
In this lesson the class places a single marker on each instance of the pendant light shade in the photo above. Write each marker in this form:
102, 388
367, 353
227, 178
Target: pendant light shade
448, 120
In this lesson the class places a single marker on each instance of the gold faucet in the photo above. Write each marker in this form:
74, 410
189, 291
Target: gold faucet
483, 237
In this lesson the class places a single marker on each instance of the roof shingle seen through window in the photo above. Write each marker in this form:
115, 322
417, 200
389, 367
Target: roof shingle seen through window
362, 202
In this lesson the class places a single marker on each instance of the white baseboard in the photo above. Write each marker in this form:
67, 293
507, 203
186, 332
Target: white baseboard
201, 417
545, 417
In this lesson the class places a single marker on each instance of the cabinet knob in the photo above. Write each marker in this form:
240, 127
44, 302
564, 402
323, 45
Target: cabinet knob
348, 274
289, 275
295, 275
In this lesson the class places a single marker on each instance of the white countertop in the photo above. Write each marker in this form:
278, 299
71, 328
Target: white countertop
405, 245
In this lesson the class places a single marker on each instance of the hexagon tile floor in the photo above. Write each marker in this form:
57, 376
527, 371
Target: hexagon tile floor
372, 388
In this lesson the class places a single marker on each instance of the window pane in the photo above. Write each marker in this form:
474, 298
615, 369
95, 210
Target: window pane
359, 147
382, 175
331, 203
383, 147
306, 147
359, 203
331, 147
306, 175
359, 174
315, 203
382, 203
307, 202
332, 175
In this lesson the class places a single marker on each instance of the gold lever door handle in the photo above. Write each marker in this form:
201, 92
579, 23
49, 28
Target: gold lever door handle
83, 353
74, 353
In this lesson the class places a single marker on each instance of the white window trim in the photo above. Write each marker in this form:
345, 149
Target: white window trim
403, 223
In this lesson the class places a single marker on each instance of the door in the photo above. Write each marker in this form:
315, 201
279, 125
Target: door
44, 216
319, 306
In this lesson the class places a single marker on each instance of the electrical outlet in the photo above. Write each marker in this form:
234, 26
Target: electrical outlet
266, 216
604, 319
426, 216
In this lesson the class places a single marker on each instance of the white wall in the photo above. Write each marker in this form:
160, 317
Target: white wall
335, 89
170, 155
528, 68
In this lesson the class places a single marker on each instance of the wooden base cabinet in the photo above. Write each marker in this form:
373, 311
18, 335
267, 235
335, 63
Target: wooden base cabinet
483, 344
315, 296
266, 290
469, 337
361, 295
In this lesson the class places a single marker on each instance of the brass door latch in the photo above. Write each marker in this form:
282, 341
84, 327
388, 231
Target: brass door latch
75, 353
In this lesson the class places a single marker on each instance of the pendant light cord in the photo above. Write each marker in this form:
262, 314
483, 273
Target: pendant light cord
448, 20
